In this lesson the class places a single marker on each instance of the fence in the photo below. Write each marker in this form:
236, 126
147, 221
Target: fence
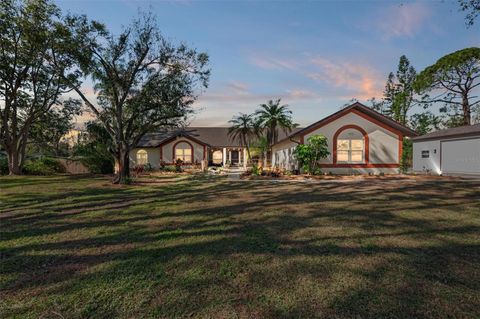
73, 166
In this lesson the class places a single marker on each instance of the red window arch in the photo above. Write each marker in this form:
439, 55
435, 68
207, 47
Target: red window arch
365, 139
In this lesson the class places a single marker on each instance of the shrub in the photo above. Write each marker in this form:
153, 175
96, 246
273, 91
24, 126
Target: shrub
138, 169
3, 166
169, 168
407, 154
178, 165
309, 155
256, 171
43, 166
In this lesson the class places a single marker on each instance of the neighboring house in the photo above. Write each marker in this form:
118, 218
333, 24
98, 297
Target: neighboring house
452, 151
360, 140
191, 145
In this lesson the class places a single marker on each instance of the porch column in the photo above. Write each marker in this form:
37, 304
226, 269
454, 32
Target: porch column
224, 156
230, 156
239, 157
245, 158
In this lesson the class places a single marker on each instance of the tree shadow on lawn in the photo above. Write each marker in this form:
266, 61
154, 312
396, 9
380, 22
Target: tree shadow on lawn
263, 251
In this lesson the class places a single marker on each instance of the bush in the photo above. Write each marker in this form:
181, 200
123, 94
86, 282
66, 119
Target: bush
43, 166
3, 166
178, 165
169, 168
147, 167
407, 155
256, 171
309, 155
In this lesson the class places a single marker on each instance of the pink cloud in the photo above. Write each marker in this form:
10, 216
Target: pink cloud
361, 80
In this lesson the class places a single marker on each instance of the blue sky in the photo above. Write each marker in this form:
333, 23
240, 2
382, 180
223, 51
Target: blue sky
314, 55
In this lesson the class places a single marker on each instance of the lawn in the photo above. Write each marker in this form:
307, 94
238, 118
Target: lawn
77, 247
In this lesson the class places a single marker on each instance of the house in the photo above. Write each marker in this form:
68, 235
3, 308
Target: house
360, 140
448, 152
191, 145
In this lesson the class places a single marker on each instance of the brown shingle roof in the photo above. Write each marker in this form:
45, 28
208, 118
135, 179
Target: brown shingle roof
212, 136
461, 131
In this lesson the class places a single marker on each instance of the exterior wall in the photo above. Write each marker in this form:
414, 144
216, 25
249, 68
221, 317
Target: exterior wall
430, 164
282, 155
198, 150
384, 147
153, 156
383, 144
448, 156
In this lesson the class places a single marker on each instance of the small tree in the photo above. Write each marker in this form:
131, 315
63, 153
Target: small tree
310, 154
243, 129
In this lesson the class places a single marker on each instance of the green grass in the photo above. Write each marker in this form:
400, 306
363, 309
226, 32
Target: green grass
78, 247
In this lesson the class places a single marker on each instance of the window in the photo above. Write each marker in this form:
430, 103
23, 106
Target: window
183, 151
425, 154
350, 151
217, 157
142, 157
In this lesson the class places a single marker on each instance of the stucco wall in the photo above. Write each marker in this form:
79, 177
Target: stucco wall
383, 146
153, 156
167, 150
432, 163
282, 155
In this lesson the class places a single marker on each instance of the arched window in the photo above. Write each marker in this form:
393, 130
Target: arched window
351, 146
142, 157
183, 151
217, 157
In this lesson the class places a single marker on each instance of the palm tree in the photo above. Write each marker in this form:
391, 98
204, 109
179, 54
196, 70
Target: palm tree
243, 130
273, 116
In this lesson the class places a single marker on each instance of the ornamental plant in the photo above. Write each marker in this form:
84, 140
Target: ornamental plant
309, 155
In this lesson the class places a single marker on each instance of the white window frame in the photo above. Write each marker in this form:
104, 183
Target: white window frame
142, 157
349, 151
183, 156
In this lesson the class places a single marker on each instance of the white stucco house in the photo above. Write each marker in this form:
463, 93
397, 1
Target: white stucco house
454, 151
360, 139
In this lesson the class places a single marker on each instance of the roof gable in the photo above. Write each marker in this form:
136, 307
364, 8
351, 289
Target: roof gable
362, 111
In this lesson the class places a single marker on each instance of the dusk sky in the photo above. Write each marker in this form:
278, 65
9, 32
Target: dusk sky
316, 56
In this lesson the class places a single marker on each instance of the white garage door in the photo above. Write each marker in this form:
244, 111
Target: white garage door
461, 156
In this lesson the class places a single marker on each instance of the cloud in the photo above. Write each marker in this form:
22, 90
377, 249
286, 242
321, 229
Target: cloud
402, 20
272, 63
355, 79
360, 80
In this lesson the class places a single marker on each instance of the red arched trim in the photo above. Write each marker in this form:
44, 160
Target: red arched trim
175, 145
365, 138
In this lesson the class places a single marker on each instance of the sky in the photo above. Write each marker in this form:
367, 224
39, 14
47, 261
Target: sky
314, 55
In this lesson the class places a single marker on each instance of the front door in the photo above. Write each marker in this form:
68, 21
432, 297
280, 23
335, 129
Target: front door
234, 159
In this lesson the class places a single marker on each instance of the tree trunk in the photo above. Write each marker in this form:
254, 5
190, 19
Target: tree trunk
466, 110
122, 167
14, 167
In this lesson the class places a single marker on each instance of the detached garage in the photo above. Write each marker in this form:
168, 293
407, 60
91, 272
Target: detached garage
454, 151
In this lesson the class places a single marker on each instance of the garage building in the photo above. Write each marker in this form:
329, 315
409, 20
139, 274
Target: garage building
454, 151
